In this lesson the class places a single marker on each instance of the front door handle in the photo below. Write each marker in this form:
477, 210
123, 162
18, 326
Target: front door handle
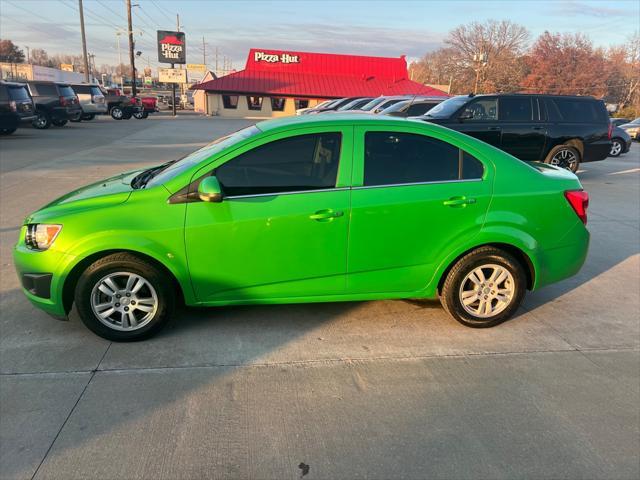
538, 128
493, 128
459, 202
325, 215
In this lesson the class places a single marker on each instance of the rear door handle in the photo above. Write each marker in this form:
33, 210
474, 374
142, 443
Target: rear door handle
538, 128
325, 215
459, 202
493, 128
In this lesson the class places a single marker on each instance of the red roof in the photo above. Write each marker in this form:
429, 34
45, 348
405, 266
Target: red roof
319, 75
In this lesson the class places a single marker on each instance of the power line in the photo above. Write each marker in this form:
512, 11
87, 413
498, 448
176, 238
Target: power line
166, 13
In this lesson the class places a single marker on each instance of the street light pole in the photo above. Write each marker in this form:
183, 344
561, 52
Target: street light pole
84, 43
131, 53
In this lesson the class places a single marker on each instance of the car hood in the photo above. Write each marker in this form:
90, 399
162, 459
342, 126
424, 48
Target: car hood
110, 191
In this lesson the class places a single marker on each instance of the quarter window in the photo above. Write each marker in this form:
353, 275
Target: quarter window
303, 162
516, 109
484, 109
230, 101
393, 158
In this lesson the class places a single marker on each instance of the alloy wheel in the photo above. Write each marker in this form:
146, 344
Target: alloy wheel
565, 158
487, 290
40, 121
616, 148
117, 113
124, 301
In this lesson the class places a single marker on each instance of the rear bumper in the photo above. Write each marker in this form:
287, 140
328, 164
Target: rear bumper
94, 108
596, 151
66, 113
565, 261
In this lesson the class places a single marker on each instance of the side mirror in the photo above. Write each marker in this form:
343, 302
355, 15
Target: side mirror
209, 190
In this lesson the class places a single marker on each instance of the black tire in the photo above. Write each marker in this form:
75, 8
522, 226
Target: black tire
7, 131
59, 123
127, 116
572, 161
42, 120
88, 116
451, 293
617, 147
124, 262
141, 115
77, 119
116, 113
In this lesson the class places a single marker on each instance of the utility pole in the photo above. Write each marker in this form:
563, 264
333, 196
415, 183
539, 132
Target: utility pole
84, 43
131, 52
204, 52
28, 54
217, 74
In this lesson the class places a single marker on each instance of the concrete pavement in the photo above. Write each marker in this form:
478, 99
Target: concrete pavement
387, 389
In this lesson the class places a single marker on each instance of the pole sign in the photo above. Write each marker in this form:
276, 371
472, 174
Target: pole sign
172, 75
171, 47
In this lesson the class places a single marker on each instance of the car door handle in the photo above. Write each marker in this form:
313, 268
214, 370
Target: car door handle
493, 128
538, 128
459, 202
326, 214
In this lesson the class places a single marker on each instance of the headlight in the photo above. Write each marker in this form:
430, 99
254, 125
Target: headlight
41, 236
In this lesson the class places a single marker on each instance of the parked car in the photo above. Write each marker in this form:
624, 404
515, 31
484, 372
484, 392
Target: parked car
16, 106
333, 106
380, 103
559, 130
413, 107
307, 209
355, 104
301, 111
149, 105
119, 105
55, 103
619, 121
92, 100
620, 142
632, 128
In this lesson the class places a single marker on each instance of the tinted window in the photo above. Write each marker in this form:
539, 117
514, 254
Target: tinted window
448, 107
96, 91
574, 110
83, 89
18, 93
481, 110
230, 101
46, 89
516, 109
372, 104
420, 109
399, 158
66, 91
304, 162
4, 94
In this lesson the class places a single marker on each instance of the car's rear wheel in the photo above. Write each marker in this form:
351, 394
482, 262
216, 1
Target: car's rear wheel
60, 123
616, 147
141, 115
117, 113
42, 120
565, 157
484, 288
124, 298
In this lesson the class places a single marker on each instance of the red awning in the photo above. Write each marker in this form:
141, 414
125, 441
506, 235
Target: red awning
318, 75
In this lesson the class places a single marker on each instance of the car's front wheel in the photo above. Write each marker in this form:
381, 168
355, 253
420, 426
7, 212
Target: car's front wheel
124, 298
42, 120
117, 113
141, 115
565, 157
616, 147
484, 288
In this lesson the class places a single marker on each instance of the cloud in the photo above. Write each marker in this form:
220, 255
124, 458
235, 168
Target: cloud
590, 10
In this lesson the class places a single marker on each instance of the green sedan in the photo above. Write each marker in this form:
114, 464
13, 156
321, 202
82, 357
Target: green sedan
308, 209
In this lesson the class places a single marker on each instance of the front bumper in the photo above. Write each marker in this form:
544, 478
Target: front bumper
39, 270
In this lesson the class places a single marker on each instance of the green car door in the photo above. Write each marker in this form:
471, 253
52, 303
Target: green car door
281, 229
415, 198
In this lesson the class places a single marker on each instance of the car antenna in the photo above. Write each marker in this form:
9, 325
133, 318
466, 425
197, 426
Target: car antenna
411, 103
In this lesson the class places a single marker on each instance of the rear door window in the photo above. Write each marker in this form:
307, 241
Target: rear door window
574, 110
516, 109
395, 158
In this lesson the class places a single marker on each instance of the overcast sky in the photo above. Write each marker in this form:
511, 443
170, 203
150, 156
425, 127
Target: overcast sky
372, 27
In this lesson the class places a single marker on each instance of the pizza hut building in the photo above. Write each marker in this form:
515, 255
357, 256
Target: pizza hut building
276, 82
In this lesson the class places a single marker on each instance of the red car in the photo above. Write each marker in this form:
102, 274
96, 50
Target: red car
149, 105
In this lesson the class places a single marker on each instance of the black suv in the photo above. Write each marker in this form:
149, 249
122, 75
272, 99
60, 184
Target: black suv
55, 103
15, 106
557, 129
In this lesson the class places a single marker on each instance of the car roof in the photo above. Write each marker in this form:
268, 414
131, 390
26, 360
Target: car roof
336, 118
503, 94
12, 84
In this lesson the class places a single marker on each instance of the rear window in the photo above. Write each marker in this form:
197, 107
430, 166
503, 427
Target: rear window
82, 89
18, 93
66, 91
575, 110
95, 91
45, 89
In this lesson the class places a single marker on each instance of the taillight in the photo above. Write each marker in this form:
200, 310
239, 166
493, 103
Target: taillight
63, 101
13, 106
610, 131
579, 201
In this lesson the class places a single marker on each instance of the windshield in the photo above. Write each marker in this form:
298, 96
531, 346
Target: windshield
373, 104
448, 107
174, 169
18, 93
398, 107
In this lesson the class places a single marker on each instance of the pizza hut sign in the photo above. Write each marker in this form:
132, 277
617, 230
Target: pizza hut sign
171, 47
275, 58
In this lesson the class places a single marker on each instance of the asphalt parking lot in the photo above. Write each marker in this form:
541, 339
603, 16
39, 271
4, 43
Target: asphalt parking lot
385, 389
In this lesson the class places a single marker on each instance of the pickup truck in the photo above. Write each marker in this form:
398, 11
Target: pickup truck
120, 106
149, 105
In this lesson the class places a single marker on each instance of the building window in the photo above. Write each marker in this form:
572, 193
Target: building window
230, 101
301, 103
277, 104
254, 103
